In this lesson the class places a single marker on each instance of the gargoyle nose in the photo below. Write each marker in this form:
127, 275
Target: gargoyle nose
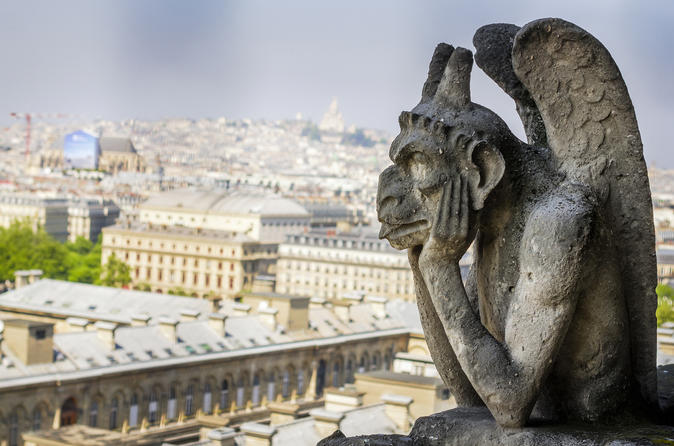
389, 193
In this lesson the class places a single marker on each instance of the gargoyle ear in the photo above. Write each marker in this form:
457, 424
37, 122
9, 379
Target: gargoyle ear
490, 167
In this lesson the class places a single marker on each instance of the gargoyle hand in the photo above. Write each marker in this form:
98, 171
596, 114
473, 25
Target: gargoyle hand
449, 236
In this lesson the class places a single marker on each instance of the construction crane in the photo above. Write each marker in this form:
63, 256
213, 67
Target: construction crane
29, 118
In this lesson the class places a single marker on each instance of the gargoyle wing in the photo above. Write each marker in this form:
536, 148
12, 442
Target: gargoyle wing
494, 44
592, 130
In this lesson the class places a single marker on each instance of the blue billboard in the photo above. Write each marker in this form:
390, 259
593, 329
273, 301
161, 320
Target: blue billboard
80, 150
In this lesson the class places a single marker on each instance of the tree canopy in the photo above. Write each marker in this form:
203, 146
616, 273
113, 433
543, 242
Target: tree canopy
665, 311
22, 248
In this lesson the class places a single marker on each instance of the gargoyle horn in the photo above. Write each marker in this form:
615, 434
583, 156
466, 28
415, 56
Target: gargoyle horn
454, 87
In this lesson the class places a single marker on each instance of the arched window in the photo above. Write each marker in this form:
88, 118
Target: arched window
375, 362
172, 407
256, 390
133, 411
189, 400
335, 374
364, 365
285, 385
93, 414
300, 382
387, 361
13, 430
152, 408
271, 387
239, 392
114, 406
224, 395
37, 419
207, 398
349, 372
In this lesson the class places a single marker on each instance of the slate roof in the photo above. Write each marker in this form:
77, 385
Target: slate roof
224, 202
116, 144
86, 301
78, 354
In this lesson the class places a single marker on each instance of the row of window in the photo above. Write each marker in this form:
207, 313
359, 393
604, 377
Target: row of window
333, 242
327, 268
346, 256
171, 260
181, 277
174, 246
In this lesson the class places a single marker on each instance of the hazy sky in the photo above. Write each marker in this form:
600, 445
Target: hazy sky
152, 59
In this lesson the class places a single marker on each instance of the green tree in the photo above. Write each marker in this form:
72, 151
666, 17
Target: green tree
665, 311
22, 248
84, 260
116, 273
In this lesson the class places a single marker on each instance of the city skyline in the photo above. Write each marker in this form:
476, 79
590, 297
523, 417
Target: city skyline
155, 60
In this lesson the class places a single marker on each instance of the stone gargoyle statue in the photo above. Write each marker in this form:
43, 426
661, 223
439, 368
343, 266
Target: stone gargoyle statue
556, 320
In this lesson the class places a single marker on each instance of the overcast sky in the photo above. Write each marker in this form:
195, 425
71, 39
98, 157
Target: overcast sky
154, 59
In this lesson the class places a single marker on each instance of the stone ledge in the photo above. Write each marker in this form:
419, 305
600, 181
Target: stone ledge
476, 427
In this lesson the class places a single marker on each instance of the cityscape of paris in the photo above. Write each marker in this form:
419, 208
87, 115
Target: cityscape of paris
190, 252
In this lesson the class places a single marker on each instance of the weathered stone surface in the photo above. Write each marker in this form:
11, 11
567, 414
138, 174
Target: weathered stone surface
557, 319
474, 426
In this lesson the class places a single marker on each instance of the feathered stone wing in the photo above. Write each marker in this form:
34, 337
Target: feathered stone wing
592, 129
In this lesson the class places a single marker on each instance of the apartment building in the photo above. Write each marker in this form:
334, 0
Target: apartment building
328, 264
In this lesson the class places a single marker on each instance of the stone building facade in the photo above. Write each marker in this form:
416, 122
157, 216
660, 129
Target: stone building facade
88, 217
328, 264
152, 374
200, 262
48, 213
156, 397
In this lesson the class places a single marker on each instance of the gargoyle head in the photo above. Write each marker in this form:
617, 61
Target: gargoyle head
446, 135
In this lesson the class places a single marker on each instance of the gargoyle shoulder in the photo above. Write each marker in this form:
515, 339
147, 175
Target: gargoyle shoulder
557, 232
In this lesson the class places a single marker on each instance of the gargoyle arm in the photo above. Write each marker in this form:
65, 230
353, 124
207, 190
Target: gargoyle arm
508, 376
441, 351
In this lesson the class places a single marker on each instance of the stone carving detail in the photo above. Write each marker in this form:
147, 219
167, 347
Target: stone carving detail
556, 320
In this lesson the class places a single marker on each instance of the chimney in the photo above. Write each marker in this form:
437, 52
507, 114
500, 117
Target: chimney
32, 342
343, 398
257, 434
282, 412
106, 333
397, 408
188, 315
215, 304
268, 317
140, 320
167, 326
34, 275
76, 324
240, 309
342, 310
222, 436
26, 277
378, 305
20, 279
217, 323
326, 422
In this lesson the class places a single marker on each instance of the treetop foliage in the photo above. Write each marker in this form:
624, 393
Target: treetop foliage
23, 248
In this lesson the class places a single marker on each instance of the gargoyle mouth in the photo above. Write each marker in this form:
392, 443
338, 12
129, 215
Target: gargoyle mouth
392, 232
